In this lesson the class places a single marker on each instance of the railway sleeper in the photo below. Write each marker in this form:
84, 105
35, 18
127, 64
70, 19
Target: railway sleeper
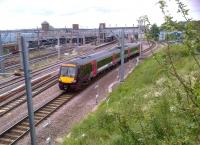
2, 110
50, 83
16, 131
64, 98
40, 114
5, 141
47, 85
13, 104
43, 112
11, 136
57, 101
25, 124
22, 99
36, 121
22, 127
16, 102
47, 109
50, 107
38, 118
53, 106
9, 106
60, 100
19, 101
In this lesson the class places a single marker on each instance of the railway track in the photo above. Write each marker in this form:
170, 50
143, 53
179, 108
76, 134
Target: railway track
153, 44
12, 101
21, 98
15, 64
21, 78
15, 80
17, 131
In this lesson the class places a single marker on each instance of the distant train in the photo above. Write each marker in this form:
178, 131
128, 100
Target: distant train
54, 41
81, 70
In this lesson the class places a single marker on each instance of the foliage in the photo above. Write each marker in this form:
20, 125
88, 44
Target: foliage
144, 109
154, 32
191, 43
145, 25
188, 91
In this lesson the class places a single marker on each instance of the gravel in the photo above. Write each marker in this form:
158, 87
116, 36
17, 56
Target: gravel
60, 122
75, 110
12, 117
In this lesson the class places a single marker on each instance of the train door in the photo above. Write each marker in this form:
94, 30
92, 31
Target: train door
129, 52
114, 61
94, 68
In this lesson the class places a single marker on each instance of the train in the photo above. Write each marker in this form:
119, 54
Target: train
54, 41
79, 71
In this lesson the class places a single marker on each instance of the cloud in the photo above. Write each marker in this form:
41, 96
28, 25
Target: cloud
75, 12
88, 13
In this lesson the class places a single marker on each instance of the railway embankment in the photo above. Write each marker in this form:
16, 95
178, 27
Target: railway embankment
149, 107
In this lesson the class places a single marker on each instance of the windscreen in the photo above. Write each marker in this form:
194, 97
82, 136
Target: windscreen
68, 71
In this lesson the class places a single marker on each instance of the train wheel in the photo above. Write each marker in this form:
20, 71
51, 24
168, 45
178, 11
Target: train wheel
66, 87
61, 86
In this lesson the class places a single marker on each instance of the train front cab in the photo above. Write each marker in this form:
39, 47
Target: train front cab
67, 76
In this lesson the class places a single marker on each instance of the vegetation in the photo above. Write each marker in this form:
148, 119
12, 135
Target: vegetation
159, 103
154, 32
144, 109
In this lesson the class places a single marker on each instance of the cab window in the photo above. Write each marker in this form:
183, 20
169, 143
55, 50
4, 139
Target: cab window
68, 71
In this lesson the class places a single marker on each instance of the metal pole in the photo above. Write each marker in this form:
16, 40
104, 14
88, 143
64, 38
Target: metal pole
78, 37
140, 36
20, 50
38, 40
77, 42
122, 57
97, 95
28, 90
58, 47
1, 57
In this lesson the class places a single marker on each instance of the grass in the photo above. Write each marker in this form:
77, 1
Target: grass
142, 110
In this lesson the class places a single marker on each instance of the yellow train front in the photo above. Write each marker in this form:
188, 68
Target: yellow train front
67, 76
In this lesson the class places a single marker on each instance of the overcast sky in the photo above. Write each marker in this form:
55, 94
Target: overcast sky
17, 14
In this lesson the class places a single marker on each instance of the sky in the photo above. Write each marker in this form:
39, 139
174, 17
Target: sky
24, 14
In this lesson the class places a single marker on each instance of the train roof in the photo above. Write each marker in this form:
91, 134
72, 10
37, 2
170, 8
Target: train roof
99, 55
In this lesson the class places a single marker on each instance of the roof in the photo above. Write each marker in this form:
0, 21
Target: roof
45, 23
69, 64
99, 55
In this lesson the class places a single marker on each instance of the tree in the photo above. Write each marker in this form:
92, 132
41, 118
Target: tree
188, 89
185, 88
154, 32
